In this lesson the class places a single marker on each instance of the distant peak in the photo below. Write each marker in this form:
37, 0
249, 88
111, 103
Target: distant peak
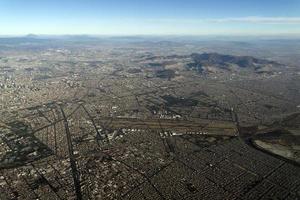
31, 35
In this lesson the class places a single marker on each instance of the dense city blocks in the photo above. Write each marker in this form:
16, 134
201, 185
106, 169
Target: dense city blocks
117, 118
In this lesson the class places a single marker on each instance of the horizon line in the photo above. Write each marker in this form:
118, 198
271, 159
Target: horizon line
156, 35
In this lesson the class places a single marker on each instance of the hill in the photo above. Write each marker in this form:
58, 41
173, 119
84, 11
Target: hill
214, 62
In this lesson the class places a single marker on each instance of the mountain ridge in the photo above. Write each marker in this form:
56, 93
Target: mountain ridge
215, 62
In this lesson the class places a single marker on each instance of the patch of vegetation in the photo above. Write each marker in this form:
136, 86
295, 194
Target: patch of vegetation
175, 101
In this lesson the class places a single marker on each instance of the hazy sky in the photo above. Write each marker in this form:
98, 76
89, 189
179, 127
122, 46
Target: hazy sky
138, 17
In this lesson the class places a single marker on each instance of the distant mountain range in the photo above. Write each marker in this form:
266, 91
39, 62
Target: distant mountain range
214, 62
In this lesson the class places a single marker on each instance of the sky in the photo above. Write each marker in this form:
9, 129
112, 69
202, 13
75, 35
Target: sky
150, 17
